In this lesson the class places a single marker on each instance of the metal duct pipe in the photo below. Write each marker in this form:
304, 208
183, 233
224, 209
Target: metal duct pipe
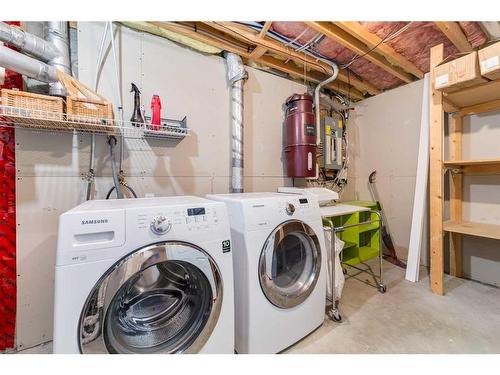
26, 65
27, 42
333, 77
236, 75
56, 33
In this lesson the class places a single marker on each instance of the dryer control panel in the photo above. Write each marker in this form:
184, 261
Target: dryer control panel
296, 205
271, 212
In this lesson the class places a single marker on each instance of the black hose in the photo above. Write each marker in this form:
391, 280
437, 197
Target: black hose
112, 145
128, 187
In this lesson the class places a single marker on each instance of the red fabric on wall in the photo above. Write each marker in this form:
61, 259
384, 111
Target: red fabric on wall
8, 223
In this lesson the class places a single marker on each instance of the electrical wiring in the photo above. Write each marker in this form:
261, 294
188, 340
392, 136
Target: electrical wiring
385, 39
279, 51
297, 37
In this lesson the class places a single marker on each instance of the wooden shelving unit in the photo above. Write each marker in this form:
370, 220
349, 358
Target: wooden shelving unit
472, 229
482, 98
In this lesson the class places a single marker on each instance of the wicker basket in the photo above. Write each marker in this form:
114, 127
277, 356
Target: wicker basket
37, 106
89, 114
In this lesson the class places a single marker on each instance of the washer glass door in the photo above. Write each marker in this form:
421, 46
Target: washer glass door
289, 264
164, 298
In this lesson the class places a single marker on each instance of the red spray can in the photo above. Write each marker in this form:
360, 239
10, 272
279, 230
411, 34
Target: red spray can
155, 113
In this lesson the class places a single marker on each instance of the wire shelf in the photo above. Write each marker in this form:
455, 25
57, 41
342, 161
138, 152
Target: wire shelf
32, 119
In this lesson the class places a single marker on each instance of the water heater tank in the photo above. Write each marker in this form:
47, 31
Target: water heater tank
300, 136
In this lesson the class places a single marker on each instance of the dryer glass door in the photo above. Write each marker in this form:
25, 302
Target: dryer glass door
164, 298
289, 264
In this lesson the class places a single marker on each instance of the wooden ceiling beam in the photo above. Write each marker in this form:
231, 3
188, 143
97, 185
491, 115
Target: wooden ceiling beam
202, 35
347, 40
455, 34
373, 41
290, 68
247, 35
259, 50
297, 72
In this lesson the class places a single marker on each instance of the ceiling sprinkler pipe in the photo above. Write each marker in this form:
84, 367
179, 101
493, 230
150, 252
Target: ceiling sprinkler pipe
28, 43
236, 74
26, 65
317, 90
56, 33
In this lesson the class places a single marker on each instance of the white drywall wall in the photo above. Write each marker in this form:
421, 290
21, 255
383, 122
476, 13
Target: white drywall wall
50, 166
384, 134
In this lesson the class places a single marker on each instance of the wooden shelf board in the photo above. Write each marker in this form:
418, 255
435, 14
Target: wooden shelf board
482, 166
484, 97
473, 228
478, 162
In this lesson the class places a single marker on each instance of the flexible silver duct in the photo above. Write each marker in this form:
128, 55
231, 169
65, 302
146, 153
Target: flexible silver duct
56, 33
236, 74
26, 42
26, 65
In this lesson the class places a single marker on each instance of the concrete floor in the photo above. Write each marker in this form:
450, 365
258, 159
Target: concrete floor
408, 318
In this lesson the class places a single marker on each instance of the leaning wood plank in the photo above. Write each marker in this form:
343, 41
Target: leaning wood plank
436, 177
473, 229
420, 200
455, 140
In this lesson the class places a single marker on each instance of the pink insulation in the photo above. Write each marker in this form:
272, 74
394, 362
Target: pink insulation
414, 44
416, 41
335, 51
475, 35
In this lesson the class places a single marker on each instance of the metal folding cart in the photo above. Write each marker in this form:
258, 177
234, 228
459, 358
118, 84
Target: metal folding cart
333, 229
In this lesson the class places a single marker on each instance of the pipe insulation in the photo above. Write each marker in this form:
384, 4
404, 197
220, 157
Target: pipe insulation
56, 33
28, 43
28, 66
236, 75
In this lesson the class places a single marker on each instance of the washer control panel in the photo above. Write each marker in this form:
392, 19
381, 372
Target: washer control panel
160, 221
161, 224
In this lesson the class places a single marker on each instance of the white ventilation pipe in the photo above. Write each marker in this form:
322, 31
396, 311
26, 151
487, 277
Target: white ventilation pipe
236, 75
28, 43
317, 90
56, 33
25, 65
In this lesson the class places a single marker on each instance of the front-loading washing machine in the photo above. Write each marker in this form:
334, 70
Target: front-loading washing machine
279, 269
150, 275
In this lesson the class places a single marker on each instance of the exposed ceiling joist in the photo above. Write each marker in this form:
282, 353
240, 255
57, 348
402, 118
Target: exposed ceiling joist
203, 36
289, 68
260, 50
373, 41
347, 40
248, 35
314, 76
455, 34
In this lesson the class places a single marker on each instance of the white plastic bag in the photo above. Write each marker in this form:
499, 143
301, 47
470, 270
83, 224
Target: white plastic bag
339, 275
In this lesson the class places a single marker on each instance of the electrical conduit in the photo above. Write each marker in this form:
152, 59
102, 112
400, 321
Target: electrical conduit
317, 90
236, 74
